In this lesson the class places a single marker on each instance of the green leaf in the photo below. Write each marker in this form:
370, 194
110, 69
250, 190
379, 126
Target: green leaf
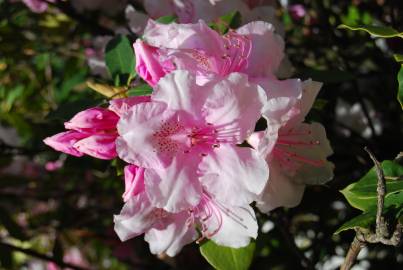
140, 90
226, 258
363, 195
398, 57
367, 220
374, 30
167, 19
68, 84
13, 95
400, 90
229, 21
120, 60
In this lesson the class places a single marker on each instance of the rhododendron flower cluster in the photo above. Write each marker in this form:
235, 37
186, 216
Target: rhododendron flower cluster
195, 162
190, 11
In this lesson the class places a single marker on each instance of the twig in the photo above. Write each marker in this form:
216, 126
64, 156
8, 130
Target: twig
41, 256
352, 253
381, 234
381, 228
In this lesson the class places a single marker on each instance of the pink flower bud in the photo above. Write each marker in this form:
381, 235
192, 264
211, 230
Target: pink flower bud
100, 146
134, 181
148, 65
93, 120
64, 142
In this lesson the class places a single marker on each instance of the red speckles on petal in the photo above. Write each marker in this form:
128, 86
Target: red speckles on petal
164, 137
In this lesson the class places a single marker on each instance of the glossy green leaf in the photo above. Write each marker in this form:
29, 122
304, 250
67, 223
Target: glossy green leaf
367, 219
226, 258
140, 90
363, 195
120, 60
167, 19
400, 90
374, 30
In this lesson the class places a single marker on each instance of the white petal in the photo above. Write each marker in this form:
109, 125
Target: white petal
234, 175
310, 90
235, 105
176, 187
316, 175
136, 143
238, 226
135, 218
267, 49
280, 191
171, 238
180, 92
196, 36
282, 99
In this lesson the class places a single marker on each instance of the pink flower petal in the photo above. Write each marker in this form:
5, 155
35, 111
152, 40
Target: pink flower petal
142, 131
267, 49
235, 106
136, 217
280, 191
238, 226
282, 99
171, 238
196, 36
234, 175
134, 181
176, 187
148, 66
180, 91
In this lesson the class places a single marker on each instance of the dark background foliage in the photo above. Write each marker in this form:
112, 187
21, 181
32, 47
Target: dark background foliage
43, 71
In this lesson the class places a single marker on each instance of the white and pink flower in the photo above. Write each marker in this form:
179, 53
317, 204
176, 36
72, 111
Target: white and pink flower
203, 51
187, 139
296, 152
168, 232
